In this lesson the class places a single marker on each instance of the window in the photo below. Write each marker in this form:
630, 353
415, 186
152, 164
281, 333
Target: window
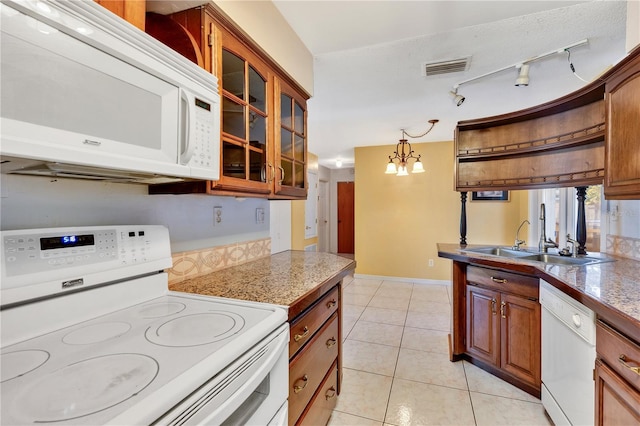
561, 215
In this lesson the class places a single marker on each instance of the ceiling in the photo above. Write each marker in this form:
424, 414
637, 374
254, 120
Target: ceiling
369, 56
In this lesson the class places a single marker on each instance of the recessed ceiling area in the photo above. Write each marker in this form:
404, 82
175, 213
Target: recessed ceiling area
369, 59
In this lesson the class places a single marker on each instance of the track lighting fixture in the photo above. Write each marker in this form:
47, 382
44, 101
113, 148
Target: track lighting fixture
522, 66
458, 99
523, 77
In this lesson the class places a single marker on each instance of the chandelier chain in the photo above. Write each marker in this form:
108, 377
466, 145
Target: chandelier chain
433, 123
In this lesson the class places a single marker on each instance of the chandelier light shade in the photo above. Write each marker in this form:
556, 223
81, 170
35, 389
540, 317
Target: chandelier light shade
404, 153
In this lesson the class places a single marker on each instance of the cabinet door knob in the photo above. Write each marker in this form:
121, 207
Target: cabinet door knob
493, 306
331, 304
305, 333
503, 308
304, 380
499, 280
625, 363
331, 392
331, 342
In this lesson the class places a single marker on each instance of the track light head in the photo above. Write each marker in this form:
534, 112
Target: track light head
458, 99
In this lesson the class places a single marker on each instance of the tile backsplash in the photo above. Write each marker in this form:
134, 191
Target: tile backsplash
191, 264
623, 246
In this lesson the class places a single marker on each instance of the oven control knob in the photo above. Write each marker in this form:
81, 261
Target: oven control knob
577, 321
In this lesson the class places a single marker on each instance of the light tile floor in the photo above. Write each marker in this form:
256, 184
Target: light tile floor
397, 369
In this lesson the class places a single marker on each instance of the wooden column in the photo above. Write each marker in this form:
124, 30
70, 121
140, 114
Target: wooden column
463, 219
581, 223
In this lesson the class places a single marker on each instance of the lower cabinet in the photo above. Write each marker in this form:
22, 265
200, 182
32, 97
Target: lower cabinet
617, 378
503, 324
314, 361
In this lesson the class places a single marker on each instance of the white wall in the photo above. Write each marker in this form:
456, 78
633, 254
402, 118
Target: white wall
622, 218
633, 24
38, 202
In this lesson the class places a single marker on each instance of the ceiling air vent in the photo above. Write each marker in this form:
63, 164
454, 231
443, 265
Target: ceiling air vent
446, 67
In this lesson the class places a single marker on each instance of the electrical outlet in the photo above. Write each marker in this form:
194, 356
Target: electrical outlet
259, 215
217, 216
430, 263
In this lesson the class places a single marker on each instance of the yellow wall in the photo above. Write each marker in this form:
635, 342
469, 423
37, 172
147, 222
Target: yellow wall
298, 241
399, 220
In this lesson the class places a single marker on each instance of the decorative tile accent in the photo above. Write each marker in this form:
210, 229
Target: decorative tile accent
623, 246
191, 264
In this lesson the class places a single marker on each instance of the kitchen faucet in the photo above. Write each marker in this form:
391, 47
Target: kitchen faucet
519, 242
545, 243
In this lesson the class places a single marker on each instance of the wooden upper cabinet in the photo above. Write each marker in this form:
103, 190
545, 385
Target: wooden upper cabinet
263, 141
581, 139
560, 143
133, 11
290, 155
622, 178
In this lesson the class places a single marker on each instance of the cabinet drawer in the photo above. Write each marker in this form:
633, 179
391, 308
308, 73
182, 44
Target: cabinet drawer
309, 322
506, 282
310, 366
324, 401
620, 353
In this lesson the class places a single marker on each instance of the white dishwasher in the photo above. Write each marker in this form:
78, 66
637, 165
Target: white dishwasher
568, 358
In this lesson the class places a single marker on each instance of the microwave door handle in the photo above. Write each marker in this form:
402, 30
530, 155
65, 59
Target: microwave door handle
187, 146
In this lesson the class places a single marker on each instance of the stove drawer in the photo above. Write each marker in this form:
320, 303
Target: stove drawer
309, 367
305, 326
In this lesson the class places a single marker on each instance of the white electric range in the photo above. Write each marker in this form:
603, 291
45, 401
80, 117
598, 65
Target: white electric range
90, 334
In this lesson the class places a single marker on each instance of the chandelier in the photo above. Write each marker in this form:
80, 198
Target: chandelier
404, 153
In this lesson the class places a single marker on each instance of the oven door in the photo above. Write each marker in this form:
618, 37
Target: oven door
252, 390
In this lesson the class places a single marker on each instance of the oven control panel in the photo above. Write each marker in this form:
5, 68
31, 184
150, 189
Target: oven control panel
33, 255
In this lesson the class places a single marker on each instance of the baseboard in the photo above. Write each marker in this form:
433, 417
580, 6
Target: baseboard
404, 279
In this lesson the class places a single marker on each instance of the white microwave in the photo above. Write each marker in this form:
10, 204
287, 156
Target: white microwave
87, 95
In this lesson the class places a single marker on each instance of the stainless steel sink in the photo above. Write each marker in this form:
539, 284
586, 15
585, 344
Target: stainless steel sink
500, 251
563, 260
539, 257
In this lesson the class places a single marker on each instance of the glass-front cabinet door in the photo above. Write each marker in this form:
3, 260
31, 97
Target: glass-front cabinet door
291, 141
245, 122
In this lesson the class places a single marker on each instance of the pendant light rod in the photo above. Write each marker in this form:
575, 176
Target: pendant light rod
517, 65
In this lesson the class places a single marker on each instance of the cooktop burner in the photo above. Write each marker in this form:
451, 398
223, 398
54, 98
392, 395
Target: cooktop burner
162, 309
16, 364
85, 387
197, 329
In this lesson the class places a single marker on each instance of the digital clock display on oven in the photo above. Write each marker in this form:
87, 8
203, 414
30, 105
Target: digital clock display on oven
63, 241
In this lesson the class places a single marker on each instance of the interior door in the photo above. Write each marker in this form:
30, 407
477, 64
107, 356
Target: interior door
346, 217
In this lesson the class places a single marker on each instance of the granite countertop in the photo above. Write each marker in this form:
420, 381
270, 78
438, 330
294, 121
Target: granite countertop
611, 289
282, 279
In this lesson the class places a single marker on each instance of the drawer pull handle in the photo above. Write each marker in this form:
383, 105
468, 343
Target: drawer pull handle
503, 307
331, 393
499, 280
623, 360
304, 380
331, 342
305, 333
331, 304
493, 306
